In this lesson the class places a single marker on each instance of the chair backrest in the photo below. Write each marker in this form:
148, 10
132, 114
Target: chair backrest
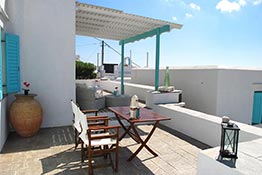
84, 126
76, 112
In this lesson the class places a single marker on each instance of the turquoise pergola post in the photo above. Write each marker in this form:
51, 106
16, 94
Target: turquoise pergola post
122, 67
157, 60
151, 33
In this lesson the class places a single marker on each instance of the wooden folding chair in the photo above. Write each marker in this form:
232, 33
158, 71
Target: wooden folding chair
108, 143
92, 121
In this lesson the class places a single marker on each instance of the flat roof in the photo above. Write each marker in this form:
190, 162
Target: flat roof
107, 23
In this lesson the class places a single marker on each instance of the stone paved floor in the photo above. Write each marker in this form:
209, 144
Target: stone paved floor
51, 151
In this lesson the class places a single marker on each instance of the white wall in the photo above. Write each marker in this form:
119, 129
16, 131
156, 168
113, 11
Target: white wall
3, 103
47, 53
211, 89
3, 123
199, 85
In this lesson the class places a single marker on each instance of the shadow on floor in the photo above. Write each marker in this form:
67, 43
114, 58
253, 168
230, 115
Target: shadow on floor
185, 137
45, 138
68, 162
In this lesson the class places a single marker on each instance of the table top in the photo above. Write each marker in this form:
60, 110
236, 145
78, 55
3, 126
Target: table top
146, 115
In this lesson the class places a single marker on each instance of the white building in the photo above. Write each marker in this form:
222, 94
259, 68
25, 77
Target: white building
214, 90
46, 30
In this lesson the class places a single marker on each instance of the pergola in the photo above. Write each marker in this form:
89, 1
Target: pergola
126, 28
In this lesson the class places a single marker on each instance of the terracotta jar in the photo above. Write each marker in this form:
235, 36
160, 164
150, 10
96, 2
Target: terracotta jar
26, 115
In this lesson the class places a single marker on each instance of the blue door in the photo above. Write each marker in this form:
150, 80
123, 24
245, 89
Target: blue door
257, 108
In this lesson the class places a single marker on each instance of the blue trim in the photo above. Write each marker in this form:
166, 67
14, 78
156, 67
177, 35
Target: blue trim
122, 68
157, 60
151, 33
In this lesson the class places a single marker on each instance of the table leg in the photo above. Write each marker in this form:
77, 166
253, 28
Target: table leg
143, 143
127, 131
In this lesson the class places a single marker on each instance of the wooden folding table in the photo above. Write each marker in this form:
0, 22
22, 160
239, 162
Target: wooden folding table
146, 115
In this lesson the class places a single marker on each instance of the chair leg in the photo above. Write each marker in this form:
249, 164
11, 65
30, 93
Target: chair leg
82, 152
116, 154
105, 147
90, 170
76, 139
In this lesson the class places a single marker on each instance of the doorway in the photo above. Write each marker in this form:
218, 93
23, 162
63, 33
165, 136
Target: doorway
257, 108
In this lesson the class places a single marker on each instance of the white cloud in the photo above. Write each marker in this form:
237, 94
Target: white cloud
168, 0
188, 15
242, 2
234, 5
257, 2
174, 18
227, 6
194, 6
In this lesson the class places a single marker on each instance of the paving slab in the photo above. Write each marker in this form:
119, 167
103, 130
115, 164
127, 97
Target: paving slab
52, 151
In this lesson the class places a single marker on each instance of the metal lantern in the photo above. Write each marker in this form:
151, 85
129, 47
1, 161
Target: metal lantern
229, 140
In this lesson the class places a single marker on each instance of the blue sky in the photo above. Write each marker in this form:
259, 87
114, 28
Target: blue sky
217, 32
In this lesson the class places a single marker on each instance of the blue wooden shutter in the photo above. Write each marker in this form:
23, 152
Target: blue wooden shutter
12, 63
1, 67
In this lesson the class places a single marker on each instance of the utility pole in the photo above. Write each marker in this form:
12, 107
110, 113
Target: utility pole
103, 47
97, 67
97, 62
147, 56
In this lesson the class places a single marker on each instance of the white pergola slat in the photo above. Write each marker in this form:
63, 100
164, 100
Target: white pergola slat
113, 24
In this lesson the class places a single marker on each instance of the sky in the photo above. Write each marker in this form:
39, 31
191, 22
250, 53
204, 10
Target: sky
217, 32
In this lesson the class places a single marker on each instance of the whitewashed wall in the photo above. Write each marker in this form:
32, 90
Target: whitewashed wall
199, 86
213, 90
47, 53
235, 93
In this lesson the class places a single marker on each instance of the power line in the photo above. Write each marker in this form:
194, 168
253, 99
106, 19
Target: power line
112, 48
82, 45
93, 52
109, 46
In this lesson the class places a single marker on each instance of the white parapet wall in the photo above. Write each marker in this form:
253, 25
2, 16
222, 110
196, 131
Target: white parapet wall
130, 88
207, 129
248, 162
200, 126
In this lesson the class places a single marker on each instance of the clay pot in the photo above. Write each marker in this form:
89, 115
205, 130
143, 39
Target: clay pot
26, 115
